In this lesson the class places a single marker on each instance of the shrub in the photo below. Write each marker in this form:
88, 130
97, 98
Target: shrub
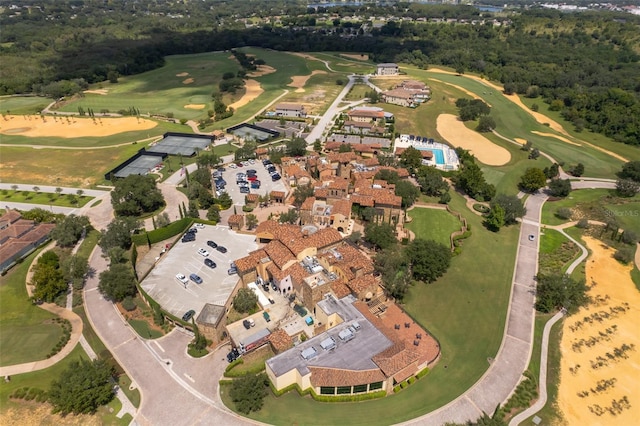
583, 224
629, 237
563, 213
247, 209
481, 208
624, 255
128, 304
422, 373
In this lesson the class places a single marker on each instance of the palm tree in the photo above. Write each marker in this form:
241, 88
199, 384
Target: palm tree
58, 191
36, 189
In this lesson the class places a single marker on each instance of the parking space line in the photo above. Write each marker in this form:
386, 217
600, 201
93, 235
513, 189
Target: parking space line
158, 345
189, 377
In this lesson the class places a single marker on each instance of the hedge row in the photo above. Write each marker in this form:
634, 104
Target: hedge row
258, 368
161, 234
233, 364
328, 398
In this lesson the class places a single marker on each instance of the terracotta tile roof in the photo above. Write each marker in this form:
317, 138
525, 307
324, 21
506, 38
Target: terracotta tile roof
413, 85
277, 194
321, 193
398, 93
296, 171
365, 148
350, 261
251, 198
235, 219
342, 207
395, 358
363, 200
402, 172
261, 151
358, 124
320, 239
340, 289
362, 283
338, 377
358, 112
308, 204
249, 262
342, 157
341, 184
278, 253
12, 245
280, 341
370, 162
382, 196
366, 174
10, 216
298, 274
361, 182
425, 153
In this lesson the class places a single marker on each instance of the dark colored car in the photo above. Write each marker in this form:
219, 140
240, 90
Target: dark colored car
195, 278
232, 270
244, 190
188, 237
210, 263
188, 315
212, 244
246, 324
233, 355
276, 177
221, 249
255, 184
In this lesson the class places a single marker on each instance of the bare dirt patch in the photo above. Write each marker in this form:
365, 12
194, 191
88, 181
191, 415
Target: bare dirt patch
182, 74
194, 106
299, 81
363, 57
462, 89
596, 375
71, 127
98, 91
35, 414
455, 132
305, 56
188, 81
262, 70
252, 90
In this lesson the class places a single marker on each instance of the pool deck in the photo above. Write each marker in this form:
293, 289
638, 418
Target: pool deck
449, 158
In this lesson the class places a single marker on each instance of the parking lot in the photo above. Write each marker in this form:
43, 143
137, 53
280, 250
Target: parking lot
177, 297
266, 184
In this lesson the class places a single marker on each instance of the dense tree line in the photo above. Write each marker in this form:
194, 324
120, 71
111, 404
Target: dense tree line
583, 66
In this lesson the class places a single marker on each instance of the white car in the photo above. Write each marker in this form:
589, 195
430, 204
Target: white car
252, 161
200, 225
182, 278
203, 252
233, 166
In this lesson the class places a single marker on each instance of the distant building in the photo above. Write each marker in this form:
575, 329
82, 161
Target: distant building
290, 110
19, 237
387, 69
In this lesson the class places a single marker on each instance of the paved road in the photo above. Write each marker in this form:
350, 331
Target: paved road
504, 374
168, 395
328, 117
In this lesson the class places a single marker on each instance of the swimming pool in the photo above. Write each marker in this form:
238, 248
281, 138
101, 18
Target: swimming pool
438, 153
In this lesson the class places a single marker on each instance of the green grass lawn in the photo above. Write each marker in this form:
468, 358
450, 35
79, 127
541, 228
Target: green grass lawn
142, 328
27, 332
23, 104
50, 198
513, 122
551, 240
581, 196
464, 299
357, 92
627, 215
433, 224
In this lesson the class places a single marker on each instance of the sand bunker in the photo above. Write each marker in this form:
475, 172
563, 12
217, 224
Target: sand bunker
598, 371
188, 81
70, 127
520, 140
299, 81
551, 135
455, 132
97, 91
252, 91
304, 55
195, 106
182, 74
363, 57
262, 70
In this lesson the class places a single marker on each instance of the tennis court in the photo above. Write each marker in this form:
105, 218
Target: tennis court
181, 144
140, 166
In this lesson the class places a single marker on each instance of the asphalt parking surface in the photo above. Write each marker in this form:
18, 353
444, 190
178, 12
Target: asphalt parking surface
266, 184
176, 297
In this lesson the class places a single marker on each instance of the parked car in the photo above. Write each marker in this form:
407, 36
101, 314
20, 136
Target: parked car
221, 249
181, 278
188, 315
246, 324
276, 177
255, 184
244, 190
252, 161
212, 244
195, 278
266, 316
200, 225
233, 355
232, 270
210, 263
233, 166
203, 252
187, 238
251, 172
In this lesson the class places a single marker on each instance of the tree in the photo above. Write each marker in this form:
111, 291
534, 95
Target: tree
36, 189
213, 214
559, 187
82, 387
301, 193
345, 147
201, 176
534, 154
389, 176
290, 216
58, 191
553, 171
512, 205
317, 145
355, 237
136, 195
296, 147
555, 291
627, 187
117, 282
577, 170
248, 392
431, 181
245, 300
393, 268
408, 192
251, 220
68, 231
118, 233
428, 260
47, 278
532, 180
74, 267
495, 219
225, 201
162, 220
630, 170
471, 180
486, 124
380, 235
411, 158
